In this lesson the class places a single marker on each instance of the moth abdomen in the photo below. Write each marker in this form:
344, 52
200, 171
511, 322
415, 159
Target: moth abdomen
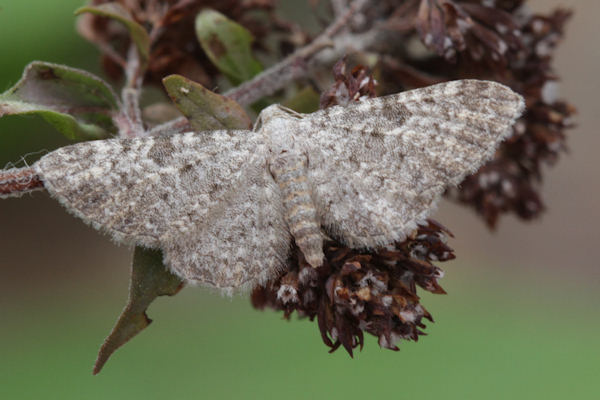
289, 171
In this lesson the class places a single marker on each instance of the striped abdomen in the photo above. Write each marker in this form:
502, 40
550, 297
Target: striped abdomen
289, 171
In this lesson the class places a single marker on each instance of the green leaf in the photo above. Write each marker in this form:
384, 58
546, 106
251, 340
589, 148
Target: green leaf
149, 279
78, 104
228, 45
205, 110
116, 11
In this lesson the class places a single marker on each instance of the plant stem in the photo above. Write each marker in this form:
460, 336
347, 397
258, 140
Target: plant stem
130, 121
292, 67
15, 182
176, 125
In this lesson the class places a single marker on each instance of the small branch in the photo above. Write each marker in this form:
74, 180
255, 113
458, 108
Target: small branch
339, 7
15, 182
177, 125
134, 69
348, 43
131, 108
294, 66
130, 121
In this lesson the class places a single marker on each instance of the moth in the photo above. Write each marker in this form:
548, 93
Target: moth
225, 206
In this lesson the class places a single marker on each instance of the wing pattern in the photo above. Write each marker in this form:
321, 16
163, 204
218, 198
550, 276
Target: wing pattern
379, 166
205, 198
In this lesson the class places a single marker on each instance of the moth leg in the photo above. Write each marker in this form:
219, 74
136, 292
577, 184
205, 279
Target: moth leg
290, 172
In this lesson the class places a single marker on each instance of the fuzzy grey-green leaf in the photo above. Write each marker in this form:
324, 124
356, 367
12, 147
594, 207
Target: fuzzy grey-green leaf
78, 104
149, 279
205, 110
228, 45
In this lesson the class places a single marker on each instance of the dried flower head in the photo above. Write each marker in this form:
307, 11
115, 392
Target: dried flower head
356, 292
348, 86
467, 29
509, 182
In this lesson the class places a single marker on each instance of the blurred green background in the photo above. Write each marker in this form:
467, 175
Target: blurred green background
520, 321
